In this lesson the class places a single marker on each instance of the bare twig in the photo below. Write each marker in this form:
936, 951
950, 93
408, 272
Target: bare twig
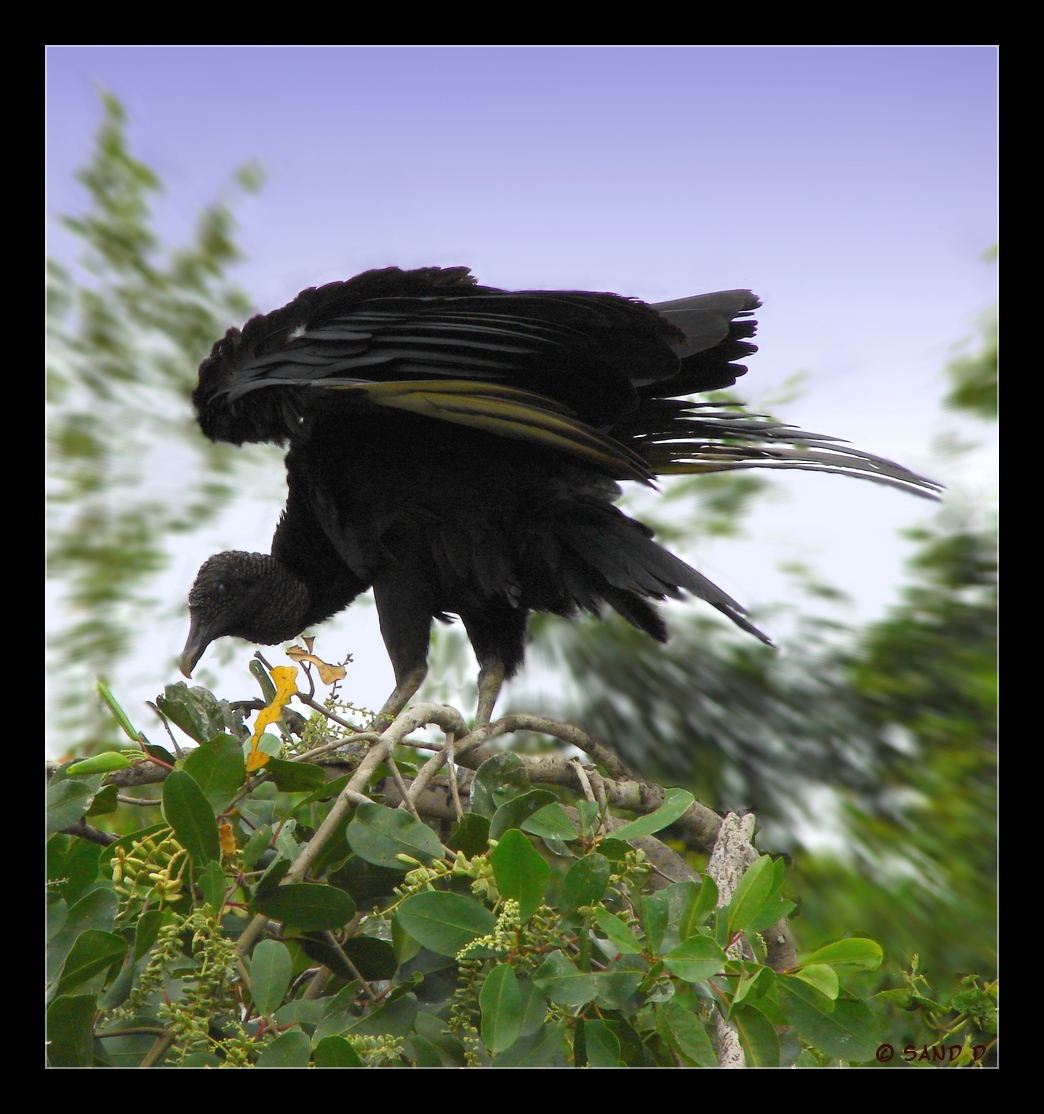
332, 941
163, 719
614, 767
581, 776
95, 835
160, 1049
328, 748
451, 769
407, 801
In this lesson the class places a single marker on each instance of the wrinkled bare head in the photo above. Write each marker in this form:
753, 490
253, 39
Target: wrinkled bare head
248, 595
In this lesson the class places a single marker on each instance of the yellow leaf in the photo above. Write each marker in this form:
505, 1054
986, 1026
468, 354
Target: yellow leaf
327, 673
284, 677
256, 759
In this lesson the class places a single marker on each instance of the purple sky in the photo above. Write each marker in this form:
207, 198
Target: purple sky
853, 189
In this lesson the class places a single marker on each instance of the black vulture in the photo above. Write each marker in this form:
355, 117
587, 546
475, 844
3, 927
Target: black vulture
456, 447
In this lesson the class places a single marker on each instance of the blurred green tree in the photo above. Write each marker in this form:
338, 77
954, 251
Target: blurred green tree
882, 738
127, 328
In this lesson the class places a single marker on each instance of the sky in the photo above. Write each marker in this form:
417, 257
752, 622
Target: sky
853, 189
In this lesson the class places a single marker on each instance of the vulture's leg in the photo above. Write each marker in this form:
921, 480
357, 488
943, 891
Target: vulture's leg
406, 629
491, 677
498, 635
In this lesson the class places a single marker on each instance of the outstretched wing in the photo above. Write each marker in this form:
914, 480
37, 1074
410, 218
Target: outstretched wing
555, 368
596, 376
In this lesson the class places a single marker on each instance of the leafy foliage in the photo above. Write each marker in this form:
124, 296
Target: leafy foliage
395, 950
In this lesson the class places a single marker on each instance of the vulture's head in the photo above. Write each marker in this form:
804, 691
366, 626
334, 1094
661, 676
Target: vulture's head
249, 595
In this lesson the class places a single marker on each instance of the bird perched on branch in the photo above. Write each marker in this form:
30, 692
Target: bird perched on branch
456, 448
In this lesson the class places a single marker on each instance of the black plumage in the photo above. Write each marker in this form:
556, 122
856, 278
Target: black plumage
457, 448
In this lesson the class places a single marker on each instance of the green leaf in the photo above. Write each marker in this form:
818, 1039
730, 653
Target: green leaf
424, 1052
520, 872
256, 846
615, 850
374, 959
105, 800
92, 953
78, 866
117, 712
752, 894
120, 988
505, 774
757, 1036
584, 883
632, 1050
295, 777
684, 1033
676, 803
336, 1052
602, 1045
545, 1048
316, 947
855, 952
269, 881
755, 981
590, 817
470, 835
70, 1031
291, 1050
323, 793
559, 980
395, 1019
514, 813
212, 882
776, 909
821, 976
196, 711
268, 690
95, 910
500, 1001
368, 884
57, 911
202, 1060
306, 1011
533, 1008
696, 959
619, 934
306, 906
379, 834
551, 822
217, 767
188, 812
699, 912
617, 986
67, 801
100, 764
655, 915
146, 931
443, 922
845, 1028
270, 970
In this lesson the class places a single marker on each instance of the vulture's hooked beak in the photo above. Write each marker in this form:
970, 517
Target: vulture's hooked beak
198, 640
